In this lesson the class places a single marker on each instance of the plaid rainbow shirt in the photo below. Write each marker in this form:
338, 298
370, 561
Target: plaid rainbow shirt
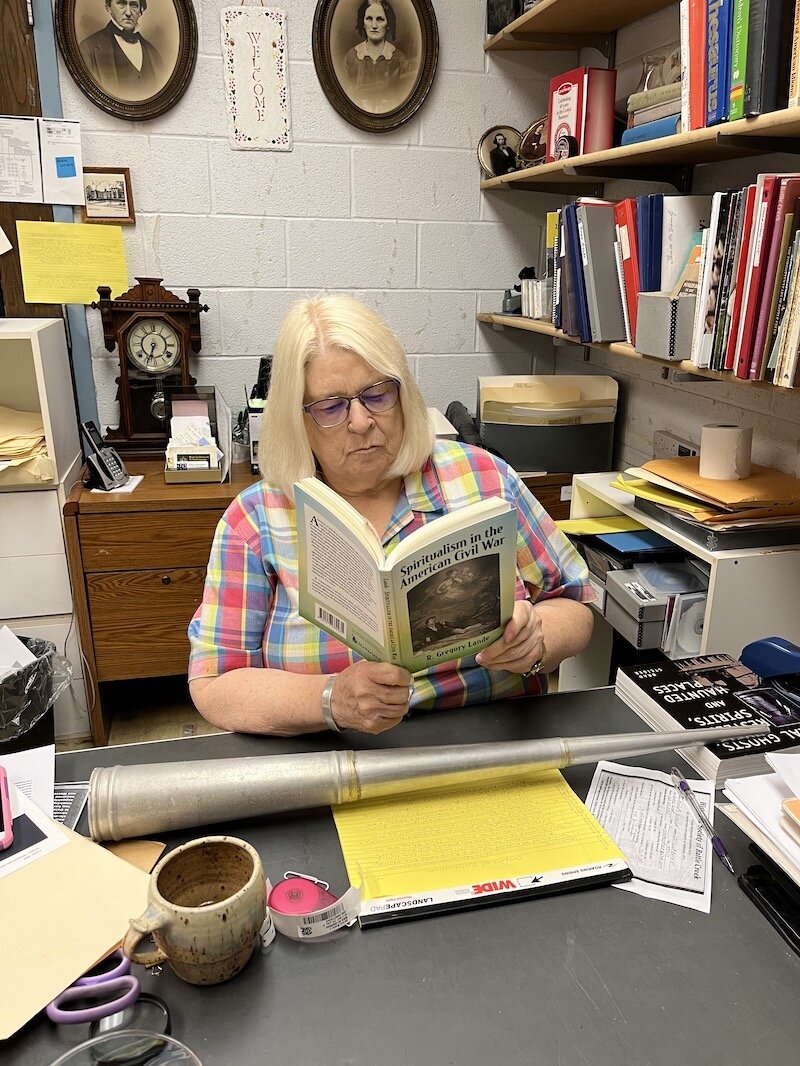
248, 616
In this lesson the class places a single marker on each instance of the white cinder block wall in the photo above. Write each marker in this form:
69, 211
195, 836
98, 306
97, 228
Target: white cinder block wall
398, 219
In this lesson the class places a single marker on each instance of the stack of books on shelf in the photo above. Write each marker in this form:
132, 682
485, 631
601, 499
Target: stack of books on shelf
714, 690
757, 511
606, 253
653, 113
739, 58
747, 317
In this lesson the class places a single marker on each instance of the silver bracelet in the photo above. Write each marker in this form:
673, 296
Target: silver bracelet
327, 712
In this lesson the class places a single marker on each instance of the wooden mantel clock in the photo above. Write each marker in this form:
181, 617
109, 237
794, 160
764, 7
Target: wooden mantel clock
152, 330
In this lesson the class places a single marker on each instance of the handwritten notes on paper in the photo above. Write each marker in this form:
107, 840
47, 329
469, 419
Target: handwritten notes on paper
20, 163
428, 849
63, 264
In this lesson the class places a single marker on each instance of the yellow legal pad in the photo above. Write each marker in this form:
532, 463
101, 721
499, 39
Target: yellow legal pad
427, 852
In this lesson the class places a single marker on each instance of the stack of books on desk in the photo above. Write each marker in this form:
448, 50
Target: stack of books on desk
757, 511
715, 690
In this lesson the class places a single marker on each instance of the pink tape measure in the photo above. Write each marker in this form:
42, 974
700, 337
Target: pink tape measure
300, 894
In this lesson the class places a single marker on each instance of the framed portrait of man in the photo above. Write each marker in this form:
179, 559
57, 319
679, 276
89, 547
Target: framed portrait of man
131, 58
375, 59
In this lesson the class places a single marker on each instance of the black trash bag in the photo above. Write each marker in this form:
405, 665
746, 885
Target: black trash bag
27, 696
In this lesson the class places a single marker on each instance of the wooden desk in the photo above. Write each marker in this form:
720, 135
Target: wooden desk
137, 564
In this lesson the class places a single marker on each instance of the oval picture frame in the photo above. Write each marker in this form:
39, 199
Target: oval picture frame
101, 70
375, 96
487, 144
533, 144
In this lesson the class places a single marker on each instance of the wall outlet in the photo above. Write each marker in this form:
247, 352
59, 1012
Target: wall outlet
668, 446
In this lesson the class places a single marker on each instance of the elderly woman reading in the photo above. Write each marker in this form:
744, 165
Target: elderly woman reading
343, 405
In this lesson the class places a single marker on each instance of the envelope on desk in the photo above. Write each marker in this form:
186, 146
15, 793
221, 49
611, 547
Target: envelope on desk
58, 916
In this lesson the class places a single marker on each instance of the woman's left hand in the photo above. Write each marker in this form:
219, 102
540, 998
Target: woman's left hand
521, 645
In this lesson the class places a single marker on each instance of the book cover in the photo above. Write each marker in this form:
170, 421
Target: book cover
786, 368
681, 217
741, 11
781, 291
697, 63
708, 289
650, 131
715, 690
718, 55
443, 593
625, 218
597, 233
788, 193
788, 285
581, 322
580, 113
739, 276
722, 318
769, 42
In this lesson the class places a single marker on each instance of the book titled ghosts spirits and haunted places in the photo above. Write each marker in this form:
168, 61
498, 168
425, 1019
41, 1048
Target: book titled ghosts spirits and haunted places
716, 690
444, 593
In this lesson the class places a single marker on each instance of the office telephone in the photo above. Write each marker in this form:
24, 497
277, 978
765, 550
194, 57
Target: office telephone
106, 469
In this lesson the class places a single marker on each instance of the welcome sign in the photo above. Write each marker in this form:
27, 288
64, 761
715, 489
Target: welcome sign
256, 83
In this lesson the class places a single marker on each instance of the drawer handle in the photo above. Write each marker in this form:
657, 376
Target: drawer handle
166, 579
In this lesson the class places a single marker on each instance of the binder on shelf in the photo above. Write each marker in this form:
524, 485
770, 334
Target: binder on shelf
604, 301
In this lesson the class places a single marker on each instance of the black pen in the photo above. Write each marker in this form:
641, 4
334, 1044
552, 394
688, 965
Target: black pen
682, 785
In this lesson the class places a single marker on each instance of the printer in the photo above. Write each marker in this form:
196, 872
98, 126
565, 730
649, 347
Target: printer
549, 422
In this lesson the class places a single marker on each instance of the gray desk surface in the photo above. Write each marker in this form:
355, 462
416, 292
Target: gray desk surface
598, 976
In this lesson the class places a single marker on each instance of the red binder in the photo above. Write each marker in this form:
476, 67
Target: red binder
763, 218
788, 194
625, 221
695, 62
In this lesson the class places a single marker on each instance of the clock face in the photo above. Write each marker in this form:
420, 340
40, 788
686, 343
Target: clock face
154, 346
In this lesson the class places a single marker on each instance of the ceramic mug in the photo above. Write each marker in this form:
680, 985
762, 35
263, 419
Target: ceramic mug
206, 905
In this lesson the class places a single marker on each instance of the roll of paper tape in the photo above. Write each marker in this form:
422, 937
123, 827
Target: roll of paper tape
725, 452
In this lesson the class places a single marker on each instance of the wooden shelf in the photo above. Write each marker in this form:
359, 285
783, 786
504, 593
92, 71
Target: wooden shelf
663, 159
546, 329
564, 25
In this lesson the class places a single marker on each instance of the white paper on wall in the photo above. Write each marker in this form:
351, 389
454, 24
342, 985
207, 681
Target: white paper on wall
256, 82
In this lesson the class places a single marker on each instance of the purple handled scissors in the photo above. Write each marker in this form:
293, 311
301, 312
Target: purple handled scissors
109, 983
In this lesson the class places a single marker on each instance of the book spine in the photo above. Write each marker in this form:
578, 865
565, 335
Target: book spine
625, 218
741, 11
558, 256
657, 95
650, 114
717, 59
685, 40
780, 311
740, 275
794, 63
697, 64
662, 127
721, 319
769, 47
752, 301
786, 369
622, 291
391, 619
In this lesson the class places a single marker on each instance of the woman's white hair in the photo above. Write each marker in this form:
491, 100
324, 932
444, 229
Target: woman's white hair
325, 326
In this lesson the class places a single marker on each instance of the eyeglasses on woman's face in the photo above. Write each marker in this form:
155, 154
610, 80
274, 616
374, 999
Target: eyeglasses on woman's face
333, 410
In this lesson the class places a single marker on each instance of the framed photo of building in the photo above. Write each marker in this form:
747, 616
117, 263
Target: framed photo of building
375, 60
108, 194
132, 58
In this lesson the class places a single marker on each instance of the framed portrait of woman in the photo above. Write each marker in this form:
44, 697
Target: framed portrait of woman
131, 58
375, 59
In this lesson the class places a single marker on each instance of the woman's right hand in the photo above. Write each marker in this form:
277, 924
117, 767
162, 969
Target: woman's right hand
370, 697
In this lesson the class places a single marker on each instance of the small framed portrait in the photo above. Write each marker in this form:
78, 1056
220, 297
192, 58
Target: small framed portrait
108, 195
500, 13
498, 151
532, 144
375, 60
132, 58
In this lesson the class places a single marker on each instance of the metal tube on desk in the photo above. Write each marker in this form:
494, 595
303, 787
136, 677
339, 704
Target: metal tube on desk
126, 801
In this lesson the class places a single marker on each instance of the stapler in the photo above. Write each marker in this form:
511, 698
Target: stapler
771, 657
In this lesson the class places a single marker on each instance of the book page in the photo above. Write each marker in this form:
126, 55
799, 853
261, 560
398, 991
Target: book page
339, 584
429, 848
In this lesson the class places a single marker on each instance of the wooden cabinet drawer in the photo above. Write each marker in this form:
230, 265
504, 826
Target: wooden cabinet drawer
551, 490
147, 539
139, 620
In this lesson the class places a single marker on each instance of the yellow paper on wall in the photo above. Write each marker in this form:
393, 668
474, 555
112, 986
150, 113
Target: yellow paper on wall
64, 263
435, 850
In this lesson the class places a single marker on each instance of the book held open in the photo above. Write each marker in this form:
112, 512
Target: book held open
445, 592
